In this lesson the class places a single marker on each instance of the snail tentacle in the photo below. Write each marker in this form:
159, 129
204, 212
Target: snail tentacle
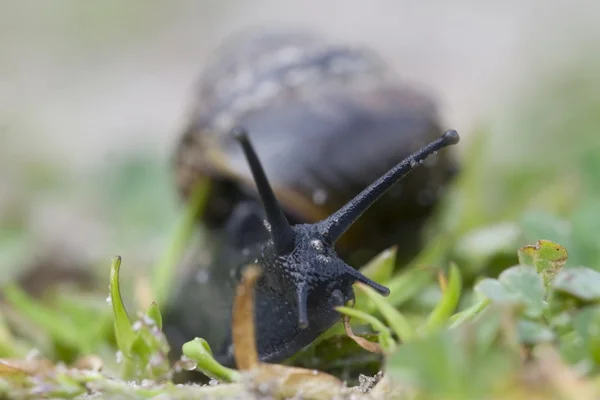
339, 222
280, 229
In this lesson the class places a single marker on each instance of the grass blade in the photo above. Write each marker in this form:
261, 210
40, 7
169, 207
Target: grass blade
397, 322
445, 308
124, 333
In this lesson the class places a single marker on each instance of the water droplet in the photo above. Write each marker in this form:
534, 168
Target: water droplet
413, 163
213, 382
156, 360
137, 325
109, 299
148, 321
186, 363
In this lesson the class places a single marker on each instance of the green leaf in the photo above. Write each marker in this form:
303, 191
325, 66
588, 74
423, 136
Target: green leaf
375, 323
380, 268
447, 305
426, 364
154, 313
531, 332
415, 277
587, 326
493, 290
537, 224
462, 363
394, 318
409, 283
573, 349
469, 313
149, 349
199, 351
580, 282
525, 282
547, 257
519, 285
124, 333
141, 350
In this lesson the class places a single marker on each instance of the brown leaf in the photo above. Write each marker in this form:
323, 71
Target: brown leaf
284, 382
9, 367
244, 336
442, 280
362, 342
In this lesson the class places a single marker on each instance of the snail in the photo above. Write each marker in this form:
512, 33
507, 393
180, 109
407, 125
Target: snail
326, 121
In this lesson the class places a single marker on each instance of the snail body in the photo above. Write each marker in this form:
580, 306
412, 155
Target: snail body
326, 122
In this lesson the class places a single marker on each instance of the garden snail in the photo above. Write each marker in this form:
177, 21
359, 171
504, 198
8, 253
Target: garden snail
326, 122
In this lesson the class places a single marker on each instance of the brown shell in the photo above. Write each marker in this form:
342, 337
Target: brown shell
326, 121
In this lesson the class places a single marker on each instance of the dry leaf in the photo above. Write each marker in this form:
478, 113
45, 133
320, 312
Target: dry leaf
10, 367
362, 342
442, 280
244, 334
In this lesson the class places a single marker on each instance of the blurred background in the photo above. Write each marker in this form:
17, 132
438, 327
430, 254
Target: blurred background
93, 96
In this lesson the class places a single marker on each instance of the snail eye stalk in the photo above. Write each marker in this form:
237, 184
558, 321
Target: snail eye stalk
359, 277
339, 222
281, 231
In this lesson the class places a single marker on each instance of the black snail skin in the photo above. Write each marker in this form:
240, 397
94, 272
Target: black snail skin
326, 120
